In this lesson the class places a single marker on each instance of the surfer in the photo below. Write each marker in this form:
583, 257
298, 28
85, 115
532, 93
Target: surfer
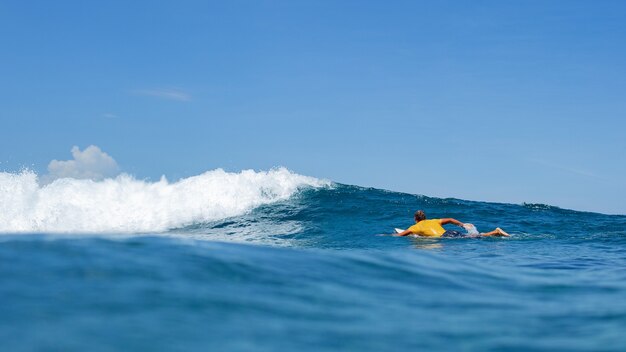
434, 228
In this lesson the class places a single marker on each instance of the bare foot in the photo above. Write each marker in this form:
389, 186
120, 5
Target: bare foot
501, 232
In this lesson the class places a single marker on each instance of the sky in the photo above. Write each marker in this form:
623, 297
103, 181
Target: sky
504, 101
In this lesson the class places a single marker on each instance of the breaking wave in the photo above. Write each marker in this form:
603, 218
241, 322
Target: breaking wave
127, 205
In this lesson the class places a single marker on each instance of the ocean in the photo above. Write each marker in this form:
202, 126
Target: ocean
276, 261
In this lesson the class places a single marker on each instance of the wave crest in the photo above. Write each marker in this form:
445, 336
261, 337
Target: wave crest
127, 205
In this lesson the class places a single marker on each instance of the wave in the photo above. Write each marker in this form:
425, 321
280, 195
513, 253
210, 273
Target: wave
127, 205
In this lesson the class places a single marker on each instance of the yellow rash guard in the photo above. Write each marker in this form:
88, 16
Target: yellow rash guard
430, 228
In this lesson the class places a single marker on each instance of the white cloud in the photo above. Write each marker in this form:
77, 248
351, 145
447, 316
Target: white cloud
92, 163
167, 93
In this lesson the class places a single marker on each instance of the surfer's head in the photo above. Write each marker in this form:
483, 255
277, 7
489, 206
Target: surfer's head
419, 216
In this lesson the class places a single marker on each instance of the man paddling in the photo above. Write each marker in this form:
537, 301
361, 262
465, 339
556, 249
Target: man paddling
434, 228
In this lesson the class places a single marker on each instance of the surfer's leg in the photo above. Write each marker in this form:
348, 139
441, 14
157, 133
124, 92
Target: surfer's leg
497, 232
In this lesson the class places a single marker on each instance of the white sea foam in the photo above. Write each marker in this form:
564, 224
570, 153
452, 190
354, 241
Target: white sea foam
127, 205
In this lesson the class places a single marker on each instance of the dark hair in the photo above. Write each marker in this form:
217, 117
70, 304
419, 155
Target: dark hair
419, 215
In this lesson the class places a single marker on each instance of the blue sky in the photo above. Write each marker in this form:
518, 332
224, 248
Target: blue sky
508, 101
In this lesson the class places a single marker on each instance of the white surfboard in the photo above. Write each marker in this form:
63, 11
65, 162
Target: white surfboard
399, 230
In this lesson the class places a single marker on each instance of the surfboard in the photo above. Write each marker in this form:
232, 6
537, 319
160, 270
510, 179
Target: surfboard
399, 230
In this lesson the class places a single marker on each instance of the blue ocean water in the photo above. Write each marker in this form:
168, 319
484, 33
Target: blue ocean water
284, 263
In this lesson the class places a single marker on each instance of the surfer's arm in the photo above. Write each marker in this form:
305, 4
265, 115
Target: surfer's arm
403, 233
451, 221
